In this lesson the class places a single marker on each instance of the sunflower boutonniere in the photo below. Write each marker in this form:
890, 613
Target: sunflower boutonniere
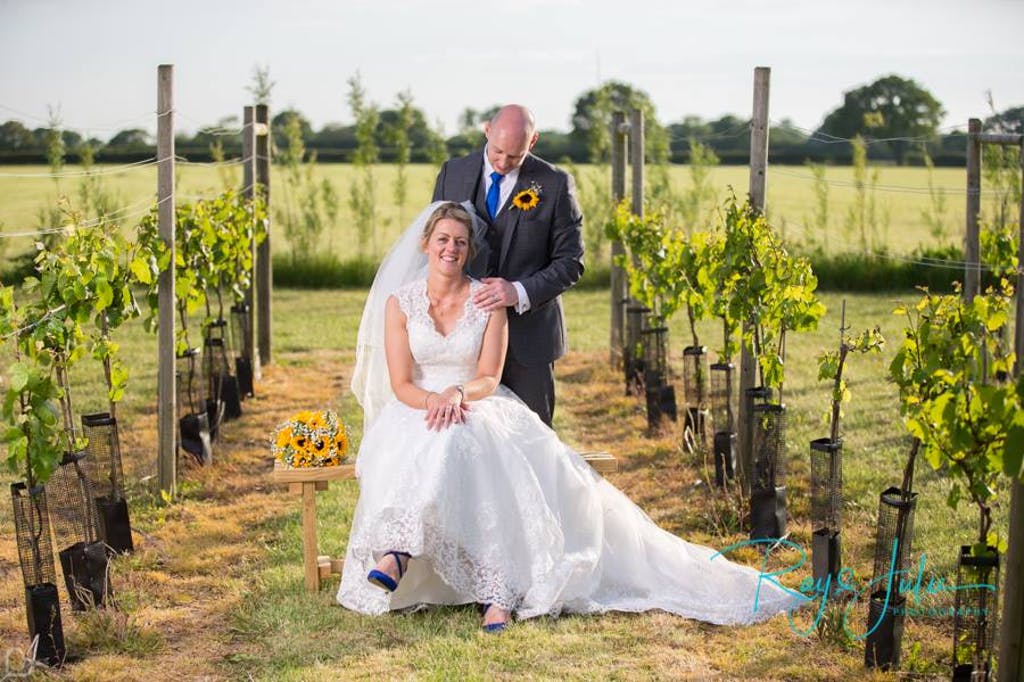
527, 199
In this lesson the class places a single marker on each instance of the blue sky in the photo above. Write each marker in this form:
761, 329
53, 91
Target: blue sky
97, 59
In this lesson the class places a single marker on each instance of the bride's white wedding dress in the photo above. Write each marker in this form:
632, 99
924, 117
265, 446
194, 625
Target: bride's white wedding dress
499, 510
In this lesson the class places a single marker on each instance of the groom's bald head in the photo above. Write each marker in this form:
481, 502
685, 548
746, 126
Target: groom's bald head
511, 133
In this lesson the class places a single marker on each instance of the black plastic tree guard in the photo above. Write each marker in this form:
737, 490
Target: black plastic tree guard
660, 394
210, 381
826, 506
103, 467
768, 483
633, 352
975, 614
892, 553
241, 338
882, 645
193, 424
84, 556
215, 369
696, 392
722, 420
35, 553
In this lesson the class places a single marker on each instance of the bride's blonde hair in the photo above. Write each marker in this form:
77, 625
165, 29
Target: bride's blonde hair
451, 211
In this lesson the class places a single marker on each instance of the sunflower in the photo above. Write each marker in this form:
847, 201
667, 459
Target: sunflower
527, 199
341, 442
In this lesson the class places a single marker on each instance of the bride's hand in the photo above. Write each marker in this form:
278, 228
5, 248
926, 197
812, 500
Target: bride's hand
445, 409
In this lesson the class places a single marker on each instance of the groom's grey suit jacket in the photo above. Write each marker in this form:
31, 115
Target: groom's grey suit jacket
541, 248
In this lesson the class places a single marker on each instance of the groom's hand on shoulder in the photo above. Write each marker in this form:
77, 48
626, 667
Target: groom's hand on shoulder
494, 294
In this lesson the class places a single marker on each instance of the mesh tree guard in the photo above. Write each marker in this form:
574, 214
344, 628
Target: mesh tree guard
892, 553
83, 555
241, 342
975, 614
35, 553
106, 476
697, 396
722, 410
633, 352
193, 424
768, 483
221, 386
826, 506
660, 394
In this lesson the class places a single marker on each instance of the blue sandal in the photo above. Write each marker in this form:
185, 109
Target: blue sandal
385, 581
492, 627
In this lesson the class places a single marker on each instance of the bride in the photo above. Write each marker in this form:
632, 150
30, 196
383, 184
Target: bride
466, 496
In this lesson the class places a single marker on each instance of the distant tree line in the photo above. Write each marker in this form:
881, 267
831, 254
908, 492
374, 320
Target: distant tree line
897, 118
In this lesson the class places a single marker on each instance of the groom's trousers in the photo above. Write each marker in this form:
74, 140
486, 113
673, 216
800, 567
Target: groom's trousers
535, 386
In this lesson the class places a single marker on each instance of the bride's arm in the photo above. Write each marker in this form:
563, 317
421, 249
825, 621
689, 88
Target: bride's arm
399, 357
492, 358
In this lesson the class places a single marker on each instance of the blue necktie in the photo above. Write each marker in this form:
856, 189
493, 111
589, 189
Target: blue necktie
493, 194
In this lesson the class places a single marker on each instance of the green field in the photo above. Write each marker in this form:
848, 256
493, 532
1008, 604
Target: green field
901, 195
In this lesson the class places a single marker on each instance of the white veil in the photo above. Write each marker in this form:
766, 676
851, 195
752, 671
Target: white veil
404, 263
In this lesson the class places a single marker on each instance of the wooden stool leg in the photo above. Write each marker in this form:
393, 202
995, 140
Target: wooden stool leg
309, 550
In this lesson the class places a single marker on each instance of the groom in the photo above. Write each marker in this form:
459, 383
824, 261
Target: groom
532, 249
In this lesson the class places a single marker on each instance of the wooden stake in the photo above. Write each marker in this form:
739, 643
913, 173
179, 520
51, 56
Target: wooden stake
636, 154
264, 270
167, 412
249, 192
309, 555
972, 249
1011, 636
758, 186
618, 275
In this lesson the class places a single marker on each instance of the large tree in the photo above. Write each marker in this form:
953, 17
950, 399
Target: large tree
891, 107
1009, 121
592, 117
279, 125
14, 135
131, 138
422, 138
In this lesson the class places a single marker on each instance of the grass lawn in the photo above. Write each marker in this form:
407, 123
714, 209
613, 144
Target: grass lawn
215, 588
901, 197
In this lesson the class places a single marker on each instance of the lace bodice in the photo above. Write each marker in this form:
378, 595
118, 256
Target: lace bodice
440, 360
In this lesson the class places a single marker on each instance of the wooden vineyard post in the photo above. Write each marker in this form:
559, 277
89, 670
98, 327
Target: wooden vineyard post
264, 265
618, 275
249, 192
758, 185
636, 156
972, 249
167, 412
1011, 635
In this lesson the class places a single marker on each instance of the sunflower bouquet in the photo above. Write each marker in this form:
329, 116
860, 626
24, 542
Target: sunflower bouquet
311, 439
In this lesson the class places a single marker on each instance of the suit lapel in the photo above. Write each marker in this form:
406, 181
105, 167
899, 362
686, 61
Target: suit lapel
510, 214
471, 187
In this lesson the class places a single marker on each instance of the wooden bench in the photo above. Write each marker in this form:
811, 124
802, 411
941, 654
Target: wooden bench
308, 482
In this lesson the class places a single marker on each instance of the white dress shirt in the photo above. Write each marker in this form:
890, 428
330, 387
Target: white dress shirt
508, 183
